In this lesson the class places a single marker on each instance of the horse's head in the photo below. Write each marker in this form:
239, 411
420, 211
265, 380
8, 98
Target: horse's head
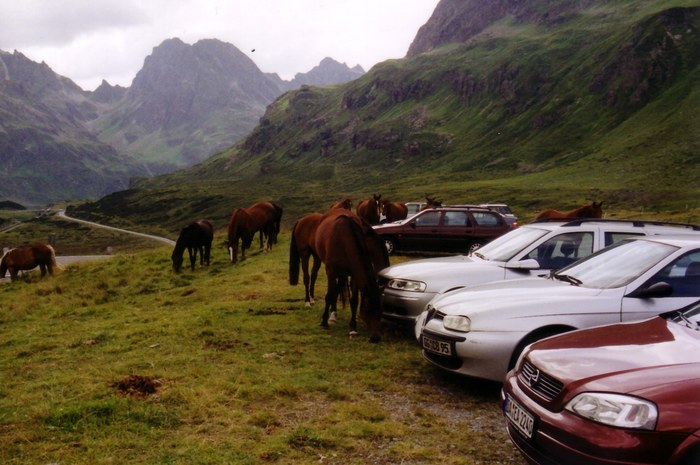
596, 210
177, 261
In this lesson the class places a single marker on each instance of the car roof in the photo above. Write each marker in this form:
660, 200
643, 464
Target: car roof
679, 240
615, 224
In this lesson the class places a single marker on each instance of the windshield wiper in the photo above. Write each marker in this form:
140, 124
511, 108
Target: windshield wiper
687, 321
477, 254
567, 278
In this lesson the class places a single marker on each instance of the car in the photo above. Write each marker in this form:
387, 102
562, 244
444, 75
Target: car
531, 250
623, 393
504, 210
481, 330
443, 229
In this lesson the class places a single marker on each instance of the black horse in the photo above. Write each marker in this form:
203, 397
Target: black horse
196, 236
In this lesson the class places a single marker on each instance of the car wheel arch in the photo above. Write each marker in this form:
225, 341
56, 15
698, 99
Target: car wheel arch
688, 453
534, 336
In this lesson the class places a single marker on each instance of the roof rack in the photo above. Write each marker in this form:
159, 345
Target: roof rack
635, 223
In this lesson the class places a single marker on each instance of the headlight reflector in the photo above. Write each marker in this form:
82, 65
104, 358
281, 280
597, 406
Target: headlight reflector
406, 285
615, 410
457, 323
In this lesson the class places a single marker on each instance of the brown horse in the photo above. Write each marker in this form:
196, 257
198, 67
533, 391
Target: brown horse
28, 258
350, 249
195, 237
245, 222
431, 202
302, 248
593, 210
370, 209
394, 211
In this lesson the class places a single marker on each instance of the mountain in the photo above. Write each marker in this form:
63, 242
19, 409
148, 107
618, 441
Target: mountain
535, 103
46, 151
327, 72
187, 103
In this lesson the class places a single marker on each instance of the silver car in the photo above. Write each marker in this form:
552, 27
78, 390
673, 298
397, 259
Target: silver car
527, 251
481, 330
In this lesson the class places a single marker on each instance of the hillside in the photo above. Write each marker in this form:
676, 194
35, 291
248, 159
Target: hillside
534, 107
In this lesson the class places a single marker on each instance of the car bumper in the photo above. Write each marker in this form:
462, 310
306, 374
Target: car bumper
477, 354
562, 437
404, 306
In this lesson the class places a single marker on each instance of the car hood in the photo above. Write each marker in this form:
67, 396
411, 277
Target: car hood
419, 269
642, 358
516, 298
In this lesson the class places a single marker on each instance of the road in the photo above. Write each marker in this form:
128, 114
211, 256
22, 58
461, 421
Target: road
64, 260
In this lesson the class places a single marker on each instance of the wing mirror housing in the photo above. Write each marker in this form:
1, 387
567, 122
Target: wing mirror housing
660, 289
527, 264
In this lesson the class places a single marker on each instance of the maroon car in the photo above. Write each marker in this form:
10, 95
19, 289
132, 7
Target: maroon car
619, 394
446, 229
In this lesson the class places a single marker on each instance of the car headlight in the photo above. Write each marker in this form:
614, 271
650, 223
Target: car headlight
615, 410
457, 323
406, 285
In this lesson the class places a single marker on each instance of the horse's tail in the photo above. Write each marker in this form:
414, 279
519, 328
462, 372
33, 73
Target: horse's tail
52, 265
343, 289
294, 259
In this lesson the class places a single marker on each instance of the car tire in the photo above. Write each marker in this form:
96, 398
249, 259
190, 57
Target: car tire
390, 244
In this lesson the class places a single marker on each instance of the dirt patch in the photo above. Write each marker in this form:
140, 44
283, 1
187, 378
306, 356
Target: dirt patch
137, 386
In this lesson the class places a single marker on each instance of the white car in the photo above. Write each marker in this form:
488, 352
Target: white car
481, 330
527, 251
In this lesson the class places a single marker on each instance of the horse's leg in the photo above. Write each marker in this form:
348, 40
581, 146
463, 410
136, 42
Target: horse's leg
305, 270
42, 267
201, 255
331, 296
193, 256
314, 274
207, 253
354, 297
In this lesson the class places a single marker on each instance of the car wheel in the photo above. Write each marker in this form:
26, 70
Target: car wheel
692, 457
390, 244
534, 337
475, 246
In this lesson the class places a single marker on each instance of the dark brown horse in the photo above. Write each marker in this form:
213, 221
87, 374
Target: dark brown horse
394, 211
351, 249
245, 222
431, 202
370, 209
593, 210
195, 237
302, 248
28, 258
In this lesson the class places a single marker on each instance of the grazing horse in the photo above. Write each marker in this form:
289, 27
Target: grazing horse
302, 248
350, 249
195, 237
594, 210
245, 222
370, 209
394, 211
28, 258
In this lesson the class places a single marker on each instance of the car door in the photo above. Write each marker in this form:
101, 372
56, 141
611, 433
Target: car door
455, 230
683, 277
423, 233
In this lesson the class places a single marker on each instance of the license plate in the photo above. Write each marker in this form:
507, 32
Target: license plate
436, 346
521, 419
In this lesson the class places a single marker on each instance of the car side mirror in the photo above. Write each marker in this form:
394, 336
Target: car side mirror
528, 264
412, 224
660, 289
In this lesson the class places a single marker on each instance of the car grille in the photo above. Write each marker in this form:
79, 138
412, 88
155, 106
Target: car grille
541, 383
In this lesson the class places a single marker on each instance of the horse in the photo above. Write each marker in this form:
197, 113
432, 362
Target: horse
431, 202
195, 237
394, 211
28, 258
351, 249
370, 209
245, 222
593, 210
301, 249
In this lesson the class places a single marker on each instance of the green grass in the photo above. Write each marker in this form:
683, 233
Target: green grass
243, 372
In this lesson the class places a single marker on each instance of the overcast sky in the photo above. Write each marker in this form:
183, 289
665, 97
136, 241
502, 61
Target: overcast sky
91, 40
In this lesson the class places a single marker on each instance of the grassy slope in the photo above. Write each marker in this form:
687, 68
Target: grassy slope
244, 373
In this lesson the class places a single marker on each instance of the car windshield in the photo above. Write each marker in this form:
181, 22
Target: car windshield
508, 245
617, 265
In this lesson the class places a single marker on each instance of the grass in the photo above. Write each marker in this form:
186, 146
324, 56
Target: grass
241, 370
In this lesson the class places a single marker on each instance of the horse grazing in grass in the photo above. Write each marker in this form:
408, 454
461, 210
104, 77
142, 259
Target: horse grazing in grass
594, 210
302, 249
394, 211
195, 237
370, 209
28, 258
245, 222
351, 249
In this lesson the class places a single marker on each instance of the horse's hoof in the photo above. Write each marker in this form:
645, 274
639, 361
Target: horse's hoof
307, 304
324, 325
312, 301
353, 333
333, 318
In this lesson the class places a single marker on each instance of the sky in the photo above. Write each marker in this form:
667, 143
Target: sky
91, 40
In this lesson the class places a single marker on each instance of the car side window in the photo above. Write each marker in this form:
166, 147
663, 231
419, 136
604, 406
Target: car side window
563, 250
429, 218
456, 219
486, 219
612, 237
683, 275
